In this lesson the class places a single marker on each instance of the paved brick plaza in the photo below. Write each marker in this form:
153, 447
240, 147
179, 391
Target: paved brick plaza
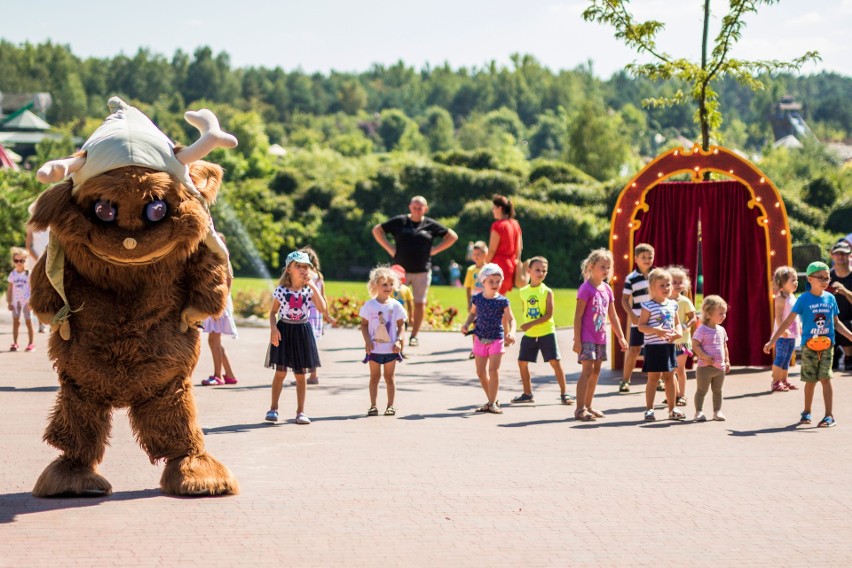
438, 484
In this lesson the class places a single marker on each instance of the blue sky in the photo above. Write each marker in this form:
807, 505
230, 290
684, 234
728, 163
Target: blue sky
321, 35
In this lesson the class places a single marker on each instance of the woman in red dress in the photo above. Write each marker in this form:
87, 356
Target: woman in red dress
506, 243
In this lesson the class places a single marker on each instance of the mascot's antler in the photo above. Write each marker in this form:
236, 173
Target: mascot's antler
58, 170
211, 136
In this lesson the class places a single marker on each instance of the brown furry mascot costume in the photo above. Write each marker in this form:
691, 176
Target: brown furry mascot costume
133, 264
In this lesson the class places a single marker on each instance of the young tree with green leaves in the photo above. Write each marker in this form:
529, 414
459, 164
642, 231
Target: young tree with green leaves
642, 37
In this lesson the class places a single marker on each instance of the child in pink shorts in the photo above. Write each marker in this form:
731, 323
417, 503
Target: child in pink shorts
495, 329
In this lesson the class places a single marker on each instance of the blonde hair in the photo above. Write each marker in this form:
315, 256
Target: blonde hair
642, 247
681, 273
383, 271
783, 274
709, 304
658, 274
595, 257
480, 245
17, 251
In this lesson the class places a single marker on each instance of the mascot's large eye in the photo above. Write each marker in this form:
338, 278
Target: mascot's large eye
156, 210
105, 211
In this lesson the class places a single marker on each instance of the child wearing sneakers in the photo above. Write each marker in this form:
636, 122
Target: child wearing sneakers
539, 331
661, 326
292, 344
382, 320
635, 292
595, 301
819, 313
711, 347
786, 282
18, 298
494, 331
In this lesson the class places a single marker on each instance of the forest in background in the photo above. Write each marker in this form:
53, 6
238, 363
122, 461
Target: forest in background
359, 145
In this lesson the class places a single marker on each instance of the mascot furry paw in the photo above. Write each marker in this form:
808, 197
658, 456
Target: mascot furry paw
132, 262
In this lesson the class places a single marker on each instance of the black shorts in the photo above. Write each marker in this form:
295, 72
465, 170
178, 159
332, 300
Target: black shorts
659, 358
530, 346
637, 338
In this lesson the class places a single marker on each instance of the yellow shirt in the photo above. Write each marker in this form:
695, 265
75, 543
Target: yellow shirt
535, 305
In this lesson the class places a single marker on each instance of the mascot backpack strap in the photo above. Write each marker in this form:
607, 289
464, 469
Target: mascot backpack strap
55, 270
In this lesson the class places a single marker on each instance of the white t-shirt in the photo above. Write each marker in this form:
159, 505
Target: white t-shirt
21, 283
382, 321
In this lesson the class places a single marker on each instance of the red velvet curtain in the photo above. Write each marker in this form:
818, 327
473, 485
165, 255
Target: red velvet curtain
671, 225
733, 249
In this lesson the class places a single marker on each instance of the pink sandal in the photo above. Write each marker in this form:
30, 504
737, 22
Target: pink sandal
778, 386
790, 386
229, 380
212, 380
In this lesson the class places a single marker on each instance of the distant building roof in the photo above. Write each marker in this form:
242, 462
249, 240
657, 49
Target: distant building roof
39, 102
24, 121
7, 159
788, 141
841, 149
31, 137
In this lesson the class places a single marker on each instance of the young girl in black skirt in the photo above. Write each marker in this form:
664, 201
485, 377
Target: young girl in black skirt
292, 342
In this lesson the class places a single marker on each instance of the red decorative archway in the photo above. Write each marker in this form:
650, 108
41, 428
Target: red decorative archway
765, 220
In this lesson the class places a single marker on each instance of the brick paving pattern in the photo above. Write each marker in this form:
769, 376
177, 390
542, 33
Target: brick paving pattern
439, 484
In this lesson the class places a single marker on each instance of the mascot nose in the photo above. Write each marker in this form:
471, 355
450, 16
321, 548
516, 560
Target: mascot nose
129, 243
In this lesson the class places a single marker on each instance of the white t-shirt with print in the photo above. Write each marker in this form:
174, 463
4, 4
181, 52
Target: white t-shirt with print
295, 305
20, 281
382, 322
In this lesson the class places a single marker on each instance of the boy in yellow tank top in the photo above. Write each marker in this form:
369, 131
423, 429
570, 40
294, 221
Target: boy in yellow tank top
539, 331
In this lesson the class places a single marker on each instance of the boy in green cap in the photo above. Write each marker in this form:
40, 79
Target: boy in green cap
819, 313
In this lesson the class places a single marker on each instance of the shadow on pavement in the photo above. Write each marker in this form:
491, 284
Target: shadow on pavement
30, 389
15, 504
777, 430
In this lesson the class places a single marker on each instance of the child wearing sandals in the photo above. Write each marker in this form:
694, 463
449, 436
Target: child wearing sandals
539, 332
819, 313
686, 315
659, 323
292, 343
710, 342
494, 331
382, 326
215, 329
786, 282
18, 298
595, 301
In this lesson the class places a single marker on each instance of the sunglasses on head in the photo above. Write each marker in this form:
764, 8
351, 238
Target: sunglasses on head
18, 260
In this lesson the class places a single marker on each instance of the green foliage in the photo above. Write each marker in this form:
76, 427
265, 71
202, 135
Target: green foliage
437, 127
838, 221
595, 145
17, 191
558, 172
821, 193
699, 79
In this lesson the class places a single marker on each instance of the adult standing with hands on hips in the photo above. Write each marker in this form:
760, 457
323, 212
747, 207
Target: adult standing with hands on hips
506, 243
414, 235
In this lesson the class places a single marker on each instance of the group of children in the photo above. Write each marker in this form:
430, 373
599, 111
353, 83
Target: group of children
663, 327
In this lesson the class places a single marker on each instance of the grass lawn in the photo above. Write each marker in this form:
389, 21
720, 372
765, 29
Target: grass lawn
565, 299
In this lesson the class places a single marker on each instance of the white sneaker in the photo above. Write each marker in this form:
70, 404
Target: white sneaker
302, 418
719, 416
699, 417
649, 415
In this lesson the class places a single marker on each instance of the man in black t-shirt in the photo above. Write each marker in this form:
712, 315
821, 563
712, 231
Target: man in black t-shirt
413, 248
841, 287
